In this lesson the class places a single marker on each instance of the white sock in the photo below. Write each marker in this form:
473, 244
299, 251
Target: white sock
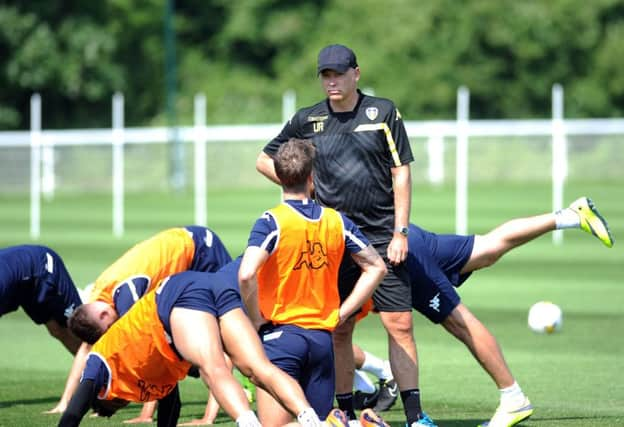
309, 418
511, 397
376, 366
567, 218
248, 419
362, 382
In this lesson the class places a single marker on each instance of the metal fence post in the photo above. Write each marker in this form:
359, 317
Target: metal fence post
461, 179
118, 164
559, 155
200, 159
35, 166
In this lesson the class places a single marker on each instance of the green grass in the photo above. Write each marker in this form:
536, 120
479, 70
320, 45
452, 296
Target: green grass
574, 378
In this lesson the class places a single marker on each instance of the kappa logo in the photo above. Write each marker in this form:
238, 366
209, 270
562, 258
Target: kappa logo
372, 113
315, 257
69, 310
148, 390
435, 302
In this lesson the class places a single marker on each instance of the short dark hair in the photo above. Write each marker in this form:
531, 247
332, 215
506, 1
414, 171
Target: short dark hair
83, 326
293, 163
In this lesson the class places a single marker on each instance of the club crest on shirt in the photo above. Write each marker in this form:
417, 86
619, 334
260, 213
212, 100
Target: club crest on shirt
372, 113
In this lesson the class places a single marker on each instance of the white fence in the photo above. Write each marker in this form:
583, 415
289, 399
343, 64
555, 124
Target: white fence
43, 142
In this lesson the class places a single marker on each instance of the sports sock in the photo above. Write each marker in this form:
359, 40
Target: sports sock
411, 405
376, 366
566, 218
511, 397
345, 403
248, 419
309, 418
362, 382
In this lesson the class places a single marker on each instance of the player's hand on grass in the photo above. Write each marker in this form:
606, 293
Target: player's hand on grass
58, 409
198, 422
139, 420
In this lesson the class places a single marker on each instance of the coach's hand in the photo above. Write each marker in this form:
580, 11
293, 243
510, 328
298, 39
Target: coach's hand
397, 249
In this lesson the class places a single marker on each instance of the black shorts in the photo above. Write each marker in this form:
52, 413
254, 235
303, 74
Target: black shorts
394, 293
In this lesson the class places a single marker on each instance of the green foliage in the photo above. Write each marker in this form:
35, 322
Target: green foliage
244, 54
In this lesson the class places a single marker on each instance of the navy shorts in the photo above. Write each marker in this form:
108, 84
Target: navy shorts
51, 295
214, 293
307, 355
394, 292
434, 263
210, 252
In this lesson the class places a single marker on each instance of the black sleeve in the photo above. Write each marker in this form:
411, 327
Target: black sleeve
79, 404
290, 130
169, 409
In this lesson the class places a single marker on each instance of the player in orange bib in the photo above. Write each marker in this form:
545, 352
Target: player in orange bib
139, 270
192, 318
289, 280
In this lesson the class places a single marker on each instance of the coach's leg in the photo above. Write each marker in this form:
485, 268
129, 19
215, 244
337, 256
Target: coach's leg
404, 360
488, 248
481, 343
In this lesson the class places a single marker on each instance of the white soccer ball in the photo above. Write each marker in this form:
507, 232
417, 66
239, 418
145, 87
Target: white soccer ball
545, 317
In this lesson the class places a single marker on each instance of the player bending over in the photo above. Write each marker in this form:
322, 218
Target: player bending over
191, 319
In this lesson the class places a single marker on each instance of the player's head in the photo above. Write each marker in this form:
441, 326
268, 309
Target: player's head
293, 164
339, 72
89, 321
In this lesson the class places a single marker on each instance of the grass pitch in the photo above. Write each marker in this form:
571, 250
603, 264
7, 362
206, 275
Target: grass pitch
573, 378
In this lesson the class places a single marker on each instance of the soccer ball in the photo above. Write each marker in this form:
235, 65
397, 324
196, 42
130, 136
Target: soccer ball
545, 317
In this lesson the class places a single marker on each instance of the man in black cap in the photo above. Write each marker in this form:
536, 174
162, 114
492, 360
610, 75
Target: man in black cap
362, 169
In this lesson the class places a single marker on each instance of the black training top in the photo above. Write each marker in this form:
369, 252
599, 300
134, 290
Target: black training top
354, 154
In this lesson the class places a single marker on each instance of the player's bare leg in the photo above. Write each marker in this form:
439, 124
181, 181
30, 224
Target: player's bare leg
468, 329
242, 343
488, 248
196, 335
344, 362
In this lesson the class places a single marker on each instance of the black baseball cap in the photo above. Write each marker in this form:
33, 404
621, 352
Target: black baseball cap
336, 57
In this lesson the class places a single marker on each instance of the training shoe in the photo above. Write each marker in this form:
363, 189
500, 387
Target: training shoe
424, 421
336, 418
591, 220
388, 394
363, 400
368, 418
504, 418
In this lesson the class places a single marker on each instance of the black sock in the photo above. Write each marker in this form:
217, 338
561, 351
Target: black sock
345, 403
411, 405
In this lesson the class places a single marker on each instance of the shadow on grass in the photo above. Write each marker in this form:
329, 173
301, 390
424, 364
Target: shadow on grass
39, 400
446, 423
440, 422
